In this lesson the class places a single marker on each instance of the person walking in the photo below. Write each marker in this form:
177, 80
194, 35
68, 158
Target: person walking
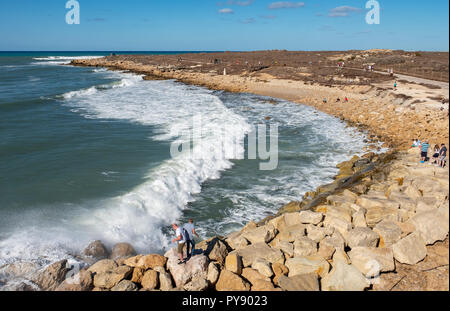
424, 151
442, 155
190, 228
181, 239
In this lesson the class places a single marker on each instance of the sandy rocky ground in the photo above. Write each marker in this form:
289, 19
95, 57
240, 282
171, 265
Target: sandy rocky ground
381, 225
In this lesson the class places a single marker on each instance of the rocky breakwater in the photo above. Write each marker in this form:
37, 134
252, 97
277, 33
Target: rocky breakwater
386, 230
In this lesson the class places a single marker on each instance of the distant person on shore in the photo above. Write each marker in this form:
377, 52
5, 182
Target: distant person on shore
424, 151
395, 85
190, 228
324, 100
442, 155
436, 152
346, 99
181, 236
338, 100
415, 143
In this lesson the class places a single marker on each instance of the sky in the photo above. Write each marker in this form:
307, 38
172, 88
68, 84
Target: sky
223, 25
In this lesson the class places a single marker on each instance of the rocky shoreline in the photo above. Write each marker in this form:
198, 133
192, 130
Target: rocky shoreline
381, 225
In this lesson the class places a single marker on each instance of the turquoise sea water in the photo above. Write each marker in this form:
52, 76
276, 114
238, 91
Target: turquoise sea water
85, 155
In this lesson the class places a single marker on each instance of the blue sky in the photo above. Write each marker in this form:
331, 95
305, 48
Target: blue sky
218, 25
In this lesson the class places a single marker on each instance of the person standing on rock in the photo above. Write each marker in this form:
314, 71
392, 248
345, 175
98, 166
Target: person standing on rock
442, 155
424, 149
190, 228
181, 239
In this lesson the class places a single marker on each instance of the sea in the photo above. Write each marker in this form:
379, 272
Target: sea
88, 154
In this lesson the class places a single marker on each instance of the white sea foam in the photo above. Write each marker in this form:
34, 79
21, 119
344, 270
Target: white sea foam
59, 60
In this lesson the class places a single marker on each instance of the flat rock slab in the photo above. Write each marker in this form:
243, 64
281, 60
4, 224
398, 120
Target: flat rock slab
344, 277
299, 283
410, 250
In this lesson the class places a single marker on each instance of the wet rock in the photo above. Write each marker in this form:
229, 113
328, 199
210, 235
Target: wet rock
122, 250
96, 250
52, 276
80, 282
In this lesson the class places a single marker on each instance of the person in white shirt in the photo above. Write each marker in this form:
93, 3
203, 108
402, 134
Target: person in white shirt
181, 241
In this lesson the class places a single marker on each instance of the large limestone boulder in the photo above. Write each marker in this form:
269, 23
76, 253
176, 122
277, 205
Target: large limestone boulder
138, 274
410, 250
165, 279
125, 286
237, 242
377, 214
317, 234
215, 249
122, 250
389, 232
310, 217
50, 278
103, 266
339, 224
96, 250
371, 261
260, 250
182, 274
303, 282
362, 236
263, 234
263, 286
279, 270
110, 279
263, 266
150, 280
431, 226
253, 275
305, 247
305, 265
228, 281
341, 212
286, 247
233, 263
359, 218
213, 273
292, 233
344, 277
197, 284
80, 282
152, 261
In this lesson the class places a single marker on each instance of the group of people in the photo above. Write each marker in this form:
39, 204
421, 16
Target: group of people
439, 153
185, 237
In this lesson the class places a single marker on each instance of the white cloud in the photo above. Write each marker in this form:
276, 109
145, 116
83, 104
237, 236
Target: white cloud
226, 11
286, 5
343, 11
